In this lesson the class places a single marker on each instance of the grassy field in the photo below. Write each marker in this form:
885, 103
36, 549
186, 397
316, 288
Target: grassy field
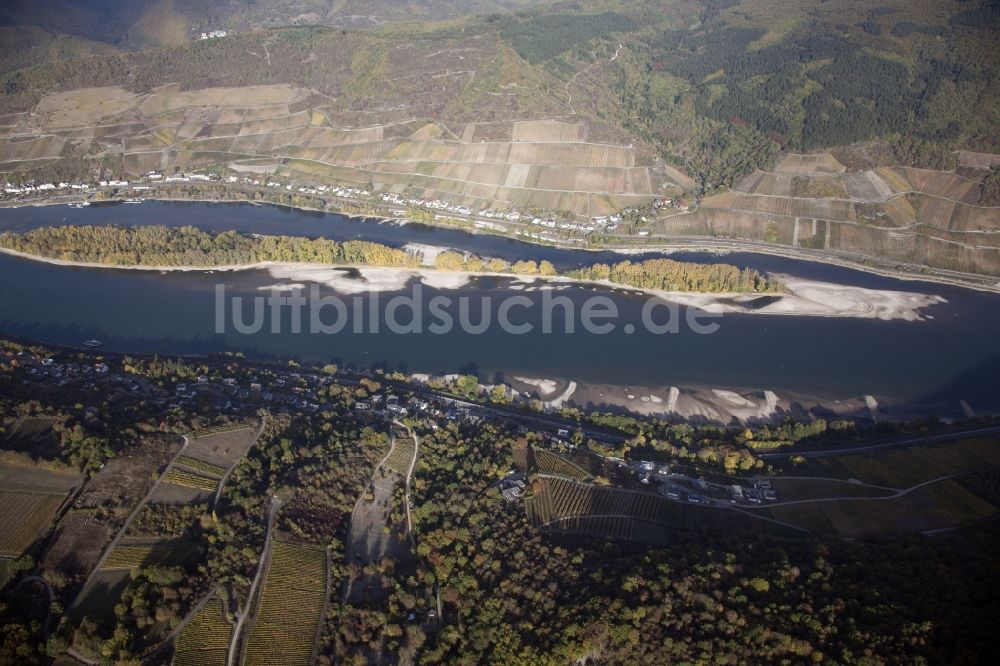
909, 466
218, 449
204, 641
291, 606
34, 436
940, 505
790, 489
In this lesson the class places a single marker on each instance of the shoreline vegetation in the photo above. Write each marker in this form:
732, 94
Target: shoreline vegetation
161, 248
716, 245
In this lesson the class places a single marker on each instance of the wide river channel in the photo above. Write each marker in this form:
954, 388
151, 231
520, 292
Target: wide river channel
952, 354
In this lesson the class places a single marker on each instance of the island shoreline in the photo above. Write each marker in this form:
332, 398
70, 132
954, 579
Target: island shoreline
701, 244
823, 299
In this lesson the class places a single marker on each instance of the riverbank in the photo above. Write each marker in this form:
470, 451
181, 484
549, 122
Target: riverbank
724, 406
867, 264
800, 298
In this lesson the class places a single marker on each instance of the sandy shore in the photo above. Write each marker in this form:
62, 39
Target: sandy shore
729, 406
801, 298
722, 406
667, 246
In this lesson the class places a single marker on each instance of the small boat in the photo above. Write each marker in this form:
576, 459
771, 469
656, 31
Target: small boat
80, 204
133, 201
93, 344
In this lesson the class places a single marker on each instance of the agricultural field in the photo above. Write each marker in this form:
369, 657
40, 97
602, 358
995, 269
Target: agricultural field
909, 466
940, 505
291, 607
809, 164
187, 479
550, 463
867, 186
818, 187
559, 504
169, 128
30, 498
23, 518
548, 131
974, 160
556, 498
204, 641
402, 455
200, 466
159, 553
865, 210
791, 488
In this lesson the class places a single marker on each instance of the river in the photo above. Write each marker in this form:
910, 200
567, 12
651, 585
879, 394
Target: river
952, 355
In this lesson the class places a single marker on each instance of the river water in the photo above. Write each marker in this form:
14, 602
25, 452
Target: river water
954, 354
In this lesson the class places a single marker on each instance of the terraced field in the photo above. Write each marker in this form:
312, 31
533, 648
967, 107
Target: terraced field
557, 498
291, 607
189, 479
550, 463
790, 488
204, 641
402, 455
543, 163
910, 466
939, 505
564, 505
23, 518
897, 213
162, 553
206, 468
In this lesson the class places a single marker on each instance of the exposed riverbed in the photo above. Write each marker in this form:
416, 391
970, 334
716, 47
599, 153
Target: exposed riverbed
909, 344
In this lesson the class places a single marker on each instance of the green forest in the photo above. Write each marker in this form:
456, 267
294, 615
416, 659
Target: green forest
670, 275
507, 591
188, 246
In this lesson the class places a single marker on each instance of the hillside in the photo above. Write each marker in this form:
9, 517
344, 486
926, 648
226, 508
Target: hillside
583, 107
